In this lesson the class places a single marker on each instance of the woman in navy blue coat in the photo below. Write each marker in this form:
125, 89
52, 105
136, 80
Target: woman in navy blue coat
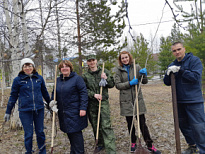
72, 101
29, 88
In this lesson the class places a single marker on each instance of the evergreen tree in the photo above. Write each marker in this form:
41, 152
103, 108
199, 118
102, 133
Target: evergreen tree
142, 54
195, 42
165, 55
100, 30
176, 34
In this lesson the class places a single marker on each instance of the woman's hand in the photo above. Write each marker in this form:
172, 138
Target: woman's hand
82, 113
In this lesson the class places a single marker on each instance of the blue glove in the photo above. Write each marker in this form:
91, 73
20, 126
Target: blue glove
134, 82
143, 71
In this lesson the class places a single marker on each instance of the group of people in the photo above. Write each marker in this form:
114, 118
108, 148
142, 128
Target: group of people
77, 98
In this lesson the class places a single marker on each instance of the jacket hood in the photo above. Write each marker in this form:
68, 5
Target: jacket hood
187, 56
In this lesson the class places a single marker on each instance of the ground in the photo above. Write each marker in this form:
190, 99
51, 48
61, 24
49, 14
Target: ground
159, 116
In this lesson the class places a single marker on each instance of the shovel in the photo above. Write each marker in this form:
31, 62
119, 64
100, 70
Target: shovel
175, 114
139, 149
53, 123
98, 122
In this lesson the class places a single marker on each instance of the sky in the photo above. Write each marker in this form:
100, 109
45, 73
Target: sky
145, 15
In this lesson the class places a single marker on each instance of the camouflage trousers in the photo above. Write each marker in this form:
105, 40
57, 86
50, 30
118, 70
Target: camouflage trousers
106, 136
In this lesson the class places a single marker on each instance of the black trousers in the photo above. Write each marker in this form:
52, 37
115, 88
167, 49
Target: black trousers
76, 142
143, 127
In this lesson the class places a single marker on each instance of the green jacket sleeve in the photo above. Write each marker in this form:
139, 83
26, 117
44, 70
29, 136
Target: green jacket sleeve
90, 92
110, 79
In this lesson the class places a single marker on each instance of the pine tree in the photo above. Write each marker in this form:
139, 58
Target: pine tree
100, 30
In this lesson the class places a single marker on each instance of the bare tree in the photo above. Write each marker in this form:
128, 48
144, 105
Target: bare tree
14, 48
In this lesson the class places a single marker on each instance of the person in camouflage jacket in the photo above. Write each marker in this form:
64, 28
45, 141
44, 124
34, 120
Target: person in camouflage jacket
92, 78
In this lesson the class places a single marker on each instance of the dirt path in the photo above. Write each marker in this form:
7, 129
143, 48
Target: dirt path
159, 120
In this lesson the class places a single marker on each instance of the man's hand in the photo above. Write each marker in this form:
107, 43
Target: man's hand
6, 117
98, 97
173, 69
103, 76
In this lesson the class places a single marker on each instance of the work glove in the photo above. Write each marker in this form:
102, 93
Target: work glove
103, 82
143, 71
52, 103
7, 117
47, 105
173, 69
53, 106
133, 82
54, 109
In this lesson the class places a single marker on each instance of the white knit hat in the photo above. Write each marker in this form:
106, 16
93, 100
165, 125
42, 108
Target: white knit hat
27, 60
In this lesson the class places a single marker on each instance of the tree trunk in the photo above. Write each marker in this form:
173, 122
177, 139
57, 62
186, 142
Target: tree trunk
2, 75
79, 40
13, 35
27, 49
58, 32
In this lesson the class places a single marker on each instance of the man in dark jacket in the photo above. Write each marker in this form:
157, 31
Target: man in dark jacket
188, 73
92, 78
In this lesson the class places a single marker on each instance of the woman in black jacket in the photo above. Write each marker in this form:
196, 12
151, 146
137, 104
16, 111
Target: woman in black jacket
72, 101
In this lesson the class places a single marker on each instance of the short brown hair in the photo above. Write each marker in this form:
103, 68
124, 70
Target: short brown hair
67, 63
177, 42
130, 58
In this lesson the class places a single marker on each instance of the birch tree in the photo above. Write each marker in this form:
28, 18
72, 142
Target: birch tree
12, 26
2, 76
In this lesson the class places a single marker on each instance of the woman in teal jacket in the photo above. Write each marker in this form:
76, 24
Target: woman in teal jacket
125, 81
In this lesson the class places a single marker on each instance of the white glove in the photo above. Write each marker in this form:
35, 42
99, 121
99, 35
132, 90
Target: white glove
54, 109
52, 103
53, 106
103, 82
6, 117
173, 69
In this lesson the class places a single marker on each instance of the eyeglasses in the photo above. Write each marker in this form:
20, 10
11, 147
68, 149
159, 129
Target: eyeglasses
29, 66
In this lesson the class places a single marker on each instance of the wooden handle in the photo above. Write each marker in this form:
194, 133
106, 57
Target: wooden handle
99, 110
53, 122
175, 114
136, 103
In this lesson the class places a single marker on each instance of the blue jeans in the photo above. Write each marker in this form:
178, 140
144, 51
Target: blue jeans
76, 142
28, 119
192, 124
